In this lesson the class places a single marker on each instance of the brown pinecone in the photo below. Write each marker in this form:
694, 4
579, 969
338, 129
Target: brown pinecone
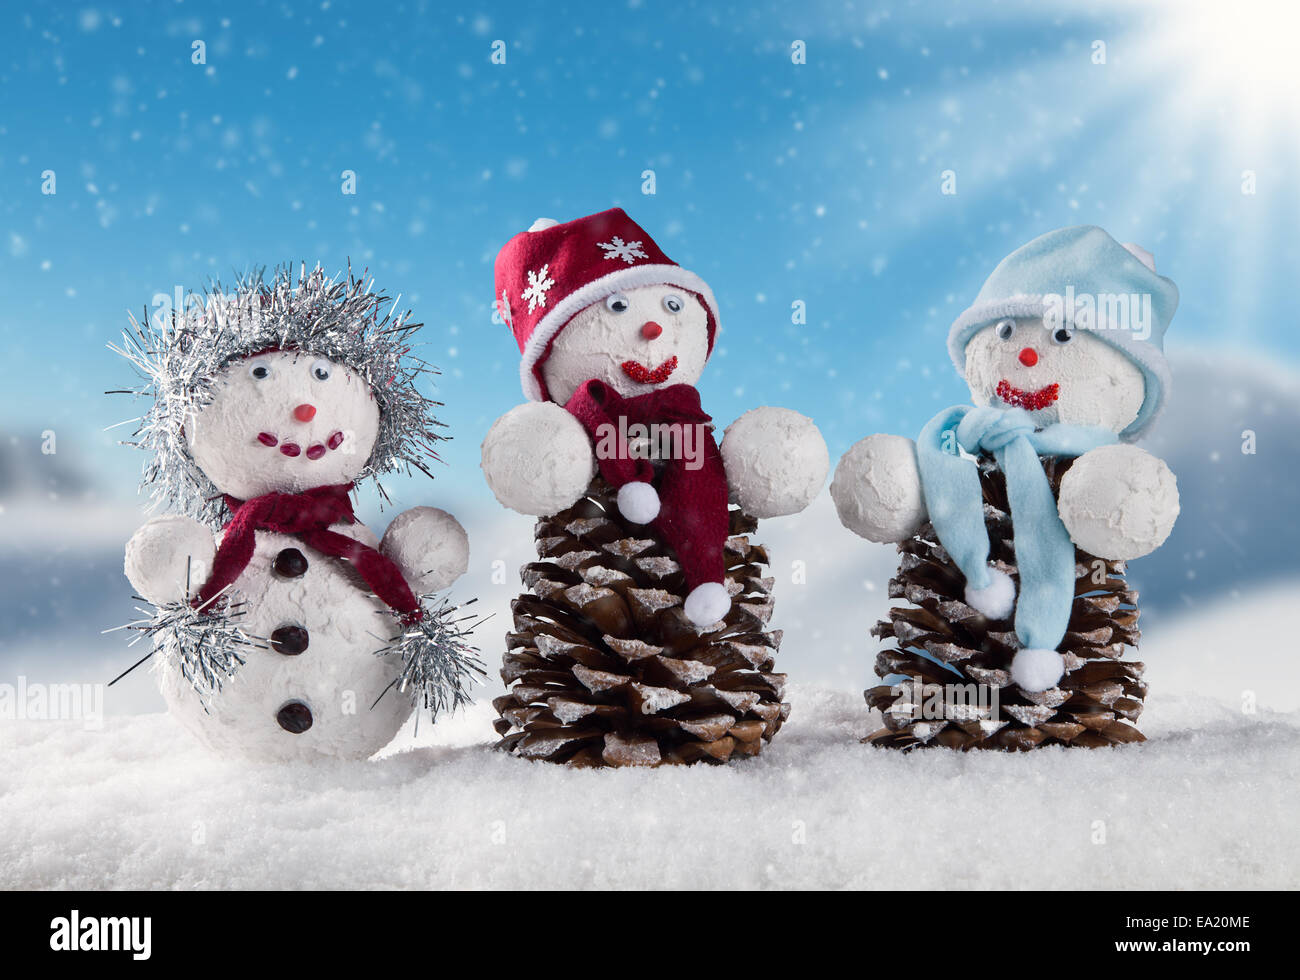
603, 667
1093, 704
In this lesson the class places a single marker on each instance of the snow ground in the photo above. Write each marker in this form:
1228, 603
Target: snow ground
1209, 802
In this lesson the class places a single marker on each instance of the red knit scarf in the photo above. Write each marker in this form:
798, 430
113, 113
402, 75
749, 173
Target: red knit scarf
307, 516
692, 502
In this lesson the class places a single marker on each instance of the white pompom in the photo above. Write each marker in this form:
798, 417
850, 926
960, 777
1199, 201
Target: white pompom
997, 599
537, 459
541, 224
707, 603
638, 502
1118, 502
1037, 669
877, 489
776, 461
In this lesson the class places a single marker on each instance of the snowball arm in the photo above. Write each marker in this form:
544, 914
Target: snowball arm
537, 459
429, 546
164, 554
1118, 502
776, 461
877, 489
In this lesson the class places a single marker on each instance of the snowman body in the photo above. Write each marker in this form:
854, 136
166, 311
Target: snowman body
1030, 367
319, 677
1117, 502
318, 667
595, 300
538, 459
641, 639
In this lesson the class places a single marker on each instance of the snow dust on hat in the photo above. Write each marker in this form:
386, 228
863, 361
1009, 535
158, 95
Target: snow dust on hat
552, 271
1082, 261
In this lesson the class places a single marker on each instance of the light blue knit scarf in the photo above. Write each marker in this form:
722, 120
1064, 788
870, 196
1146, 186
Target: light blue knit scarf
1044, 552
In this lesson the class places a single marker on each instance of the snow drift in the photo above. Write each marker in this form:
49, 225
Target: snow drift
1208, 802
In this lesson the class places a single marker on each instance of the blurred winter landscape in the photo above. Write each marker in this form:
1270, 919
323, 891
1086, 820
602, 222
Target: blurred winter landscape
779, 183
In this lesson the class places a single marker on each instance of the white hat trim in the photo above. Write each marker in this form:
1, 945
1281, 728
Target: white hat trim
594, 292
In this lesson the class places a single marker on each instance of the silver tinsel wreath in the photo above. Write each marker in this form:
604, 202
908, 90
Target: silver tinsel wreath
339, 318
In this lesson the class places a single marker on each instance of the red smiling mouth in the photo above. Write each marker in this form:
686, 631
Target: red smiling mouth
1031, 400
292, 449
642, 375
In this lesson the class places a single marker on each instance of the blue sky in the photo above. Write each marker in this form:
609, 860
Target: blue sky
777, 182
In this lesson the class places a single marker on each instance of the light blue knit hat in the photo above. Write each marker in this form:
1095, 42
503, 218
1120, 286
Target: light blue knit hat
1080, 261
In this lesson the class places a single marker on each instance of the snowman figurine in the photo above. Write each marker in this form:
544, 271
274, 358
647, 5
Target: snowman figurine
294, 633
1063, 353
614, 335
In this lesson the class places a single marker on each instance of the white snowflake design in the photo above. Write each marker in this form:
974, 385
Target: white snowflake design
538, 283
503, 307
616, 248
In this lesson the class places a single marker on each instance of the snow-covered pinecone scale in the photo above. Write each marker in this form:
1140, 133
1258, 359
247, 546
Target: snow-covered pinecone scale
1095, 701
603, 668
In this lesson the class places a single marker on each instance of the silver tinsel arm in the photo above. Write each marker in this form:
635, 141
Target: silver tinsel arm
206, 644
437, 662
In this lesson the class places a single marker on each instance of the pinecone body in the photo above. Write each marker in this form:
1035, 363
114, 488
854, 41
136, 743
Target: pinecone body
603, 668
1095, 701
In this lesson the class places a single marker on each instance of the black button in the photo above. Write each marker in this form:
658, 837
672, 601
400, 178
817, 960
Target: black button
289, 640
294, 717
290, 563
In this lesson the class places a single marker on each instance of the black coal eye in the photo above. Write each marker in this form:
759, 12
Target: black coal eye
1062, 335
673, 304
617, 303
320, 370
259, 372
1005, 329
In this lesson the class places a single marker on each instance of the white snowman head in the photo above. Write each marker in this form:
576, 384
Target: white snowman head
281, 384
1070, 326
635, 341
284, 421
596, 298
1056, 372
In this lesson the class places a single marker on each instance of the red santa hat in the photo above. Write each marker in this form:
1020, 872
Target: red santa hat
552, 271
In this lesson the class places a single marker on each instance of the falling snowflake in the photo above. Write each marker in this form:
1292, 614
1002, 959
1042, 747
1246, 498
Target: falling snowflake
503, 307
616, 248
538, 283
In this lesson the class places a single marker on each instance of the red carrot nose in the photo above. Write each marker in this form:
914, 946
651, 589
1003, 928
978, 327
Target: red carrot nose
650, 330
1028, 357
304, 413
